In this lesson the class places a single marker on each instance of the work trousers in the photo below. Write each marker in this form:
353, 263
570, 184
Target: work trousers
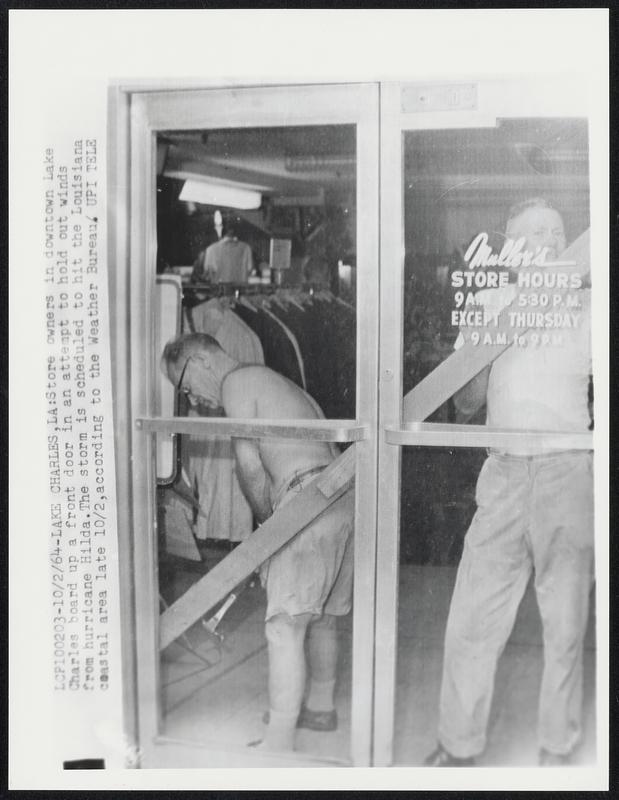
534, 513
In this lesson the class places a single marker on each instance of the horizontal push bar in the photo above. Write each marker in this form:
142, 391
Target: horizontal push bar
317, 430
433, 434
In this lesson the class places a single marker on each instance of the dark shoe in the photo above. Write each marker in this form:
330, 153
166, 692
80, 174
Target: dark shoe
317, 720
441, 758
323, 721
548, 759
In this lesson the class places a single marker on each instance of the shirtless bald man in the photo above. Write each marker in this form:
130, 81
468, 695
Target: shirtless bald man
309, 581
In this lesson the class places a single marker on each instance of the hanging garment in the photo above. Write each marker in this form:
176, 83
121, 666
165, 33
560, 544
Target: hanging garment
343, 324
177, 528
232, 333
337, 323
314, 342
279, 351
326, 335
293, 341
210, 464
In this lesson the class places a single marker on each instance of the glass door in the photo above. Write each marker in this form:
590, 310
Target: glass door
463, 168
295, 171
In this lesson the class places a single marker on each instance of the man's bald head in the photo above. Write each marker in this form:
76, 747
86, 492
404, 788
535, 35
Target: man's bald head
540, 224
180, 349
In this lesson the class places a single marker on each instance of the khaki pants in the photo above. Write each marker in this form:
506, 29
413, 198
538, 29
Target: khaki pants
534, 513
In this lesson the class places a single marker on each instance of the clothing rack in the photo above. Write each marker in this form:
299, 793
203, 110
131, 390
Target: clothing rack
195, 293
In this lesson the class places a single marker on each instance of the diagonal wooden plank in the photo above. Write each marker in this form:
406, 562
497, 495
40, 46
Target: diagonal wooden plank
464, 364
430, 393
277, 531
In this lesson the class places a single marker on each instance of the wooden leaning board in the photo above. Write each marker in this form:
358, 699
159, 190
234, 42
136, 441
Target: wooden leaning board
430, 393
464, 364
272, 535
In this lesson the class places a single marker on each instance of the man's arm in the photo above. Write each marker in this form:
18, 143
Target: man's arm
333, 448
254, 481
471, 397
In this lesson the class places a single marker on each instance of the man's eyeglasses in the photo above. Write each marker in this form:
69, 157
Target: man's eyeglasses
179, 385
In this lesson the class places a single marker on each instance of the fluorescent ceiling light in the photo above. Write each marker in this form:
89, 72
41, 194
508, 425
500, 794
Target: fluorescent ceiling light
219, 194
205, 177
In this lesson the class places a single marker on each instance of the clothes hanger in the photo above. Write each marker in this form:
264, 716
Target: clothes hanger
289, 298
309, 296
279, 301
328, 296
243, 301
343, 303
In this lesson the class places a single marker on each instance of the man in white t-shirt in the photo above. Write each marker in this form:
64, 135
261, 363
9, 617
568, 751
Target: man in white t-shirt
534, 514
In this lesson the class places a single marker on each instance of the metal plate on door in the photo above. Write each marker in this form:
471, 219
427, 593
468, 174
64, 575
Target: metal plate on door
418, 97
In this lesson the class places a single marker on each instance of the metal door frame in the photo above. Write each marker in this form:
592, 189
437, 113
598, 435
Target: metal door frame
539, 97
139, 113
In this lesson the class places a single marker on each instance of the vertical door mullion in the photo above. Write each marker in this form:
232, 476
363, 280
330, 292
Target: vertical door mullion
142, 269
390, 405
119, 199
367, 413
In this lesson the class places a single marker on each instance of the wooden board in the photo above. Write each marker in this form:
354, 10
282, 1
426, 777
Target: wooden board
452, 374
277, 531
464, 364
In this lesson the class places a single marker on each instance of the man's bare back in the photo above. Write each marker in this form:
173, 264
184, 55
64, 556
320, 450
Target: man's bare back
257, 392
